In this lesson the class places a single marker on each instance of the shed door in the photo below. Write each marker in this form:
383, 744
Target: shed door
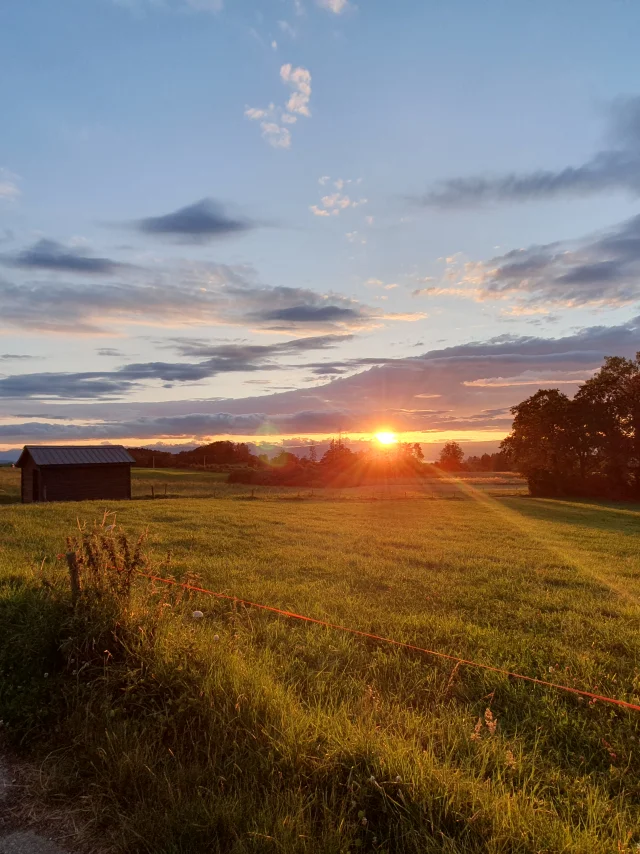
36, 485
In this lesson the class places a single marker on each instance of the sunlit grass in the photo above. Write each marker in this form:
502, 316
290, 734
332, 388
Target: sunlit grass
246, 732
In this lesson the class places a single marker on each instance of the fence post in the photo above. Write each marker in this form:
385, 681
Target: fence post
153, 492
74, 576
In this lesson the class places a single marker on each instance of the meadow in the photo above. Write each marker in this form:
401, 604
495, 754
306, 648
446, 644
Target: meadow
246, 731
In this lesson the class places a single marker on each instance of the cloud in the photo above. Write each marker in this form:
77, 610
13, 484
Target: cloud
215, 359
276, 135
273, 118
62, 386
50, 255
312, 314
9, 189
287, 29
197, 223
109, 351
601, 270
550, 379
332, 204
180, 295
473, 385
300, 81
335, 6
11, 357
615, 168
140, 6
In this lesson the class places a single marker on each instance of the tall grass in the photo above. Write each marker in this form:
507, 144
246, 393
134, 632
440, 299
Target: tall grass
244, 732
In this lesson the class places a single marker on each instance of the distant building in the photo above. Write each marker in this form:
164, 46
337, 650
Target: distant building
75, 473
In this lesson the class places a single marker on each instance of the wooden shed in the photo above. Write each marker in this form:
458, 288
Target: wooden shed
75, 473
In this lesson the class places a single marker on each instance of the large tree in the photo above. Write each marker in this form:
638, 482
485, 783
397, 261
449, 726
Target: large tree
542, 441
610, 407
451, 457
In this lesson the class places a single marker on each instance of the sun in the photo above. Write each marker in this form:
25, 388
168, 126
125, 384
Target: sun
386, 438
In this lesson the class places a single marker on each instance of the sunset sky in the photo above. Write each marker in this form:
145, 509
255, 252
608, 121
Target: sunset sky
290, 218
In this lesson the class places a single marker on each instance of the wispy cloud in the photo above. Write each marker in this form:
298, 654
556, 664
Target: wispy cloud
142, 6
492, 374
331, 204
179, 295
213, 359
335, 6
275, 121
614, 168
50, 255
602, 270
9, 185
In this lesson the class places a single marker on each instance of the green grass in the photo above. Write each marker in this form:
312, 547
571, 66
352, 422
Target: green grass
177, 483
248, 732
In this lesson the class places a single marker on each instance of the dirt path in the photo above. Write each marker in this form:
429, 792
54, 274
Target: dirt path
13, 838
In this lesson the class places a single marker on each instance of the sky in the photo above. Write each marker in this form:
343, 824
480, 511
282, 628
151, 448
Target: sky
278, 220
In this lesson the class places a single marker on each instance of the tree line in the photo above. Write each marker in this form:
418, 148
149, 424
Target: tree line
585, 446
451, 459
338, 466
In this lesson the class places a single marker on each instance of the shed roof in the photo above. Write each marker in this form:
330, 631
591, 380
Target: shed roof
77, 455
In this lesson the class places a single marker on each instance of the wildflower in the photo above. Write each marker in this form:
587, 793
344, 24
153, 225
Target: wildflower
476, 734
490, 721
398, 779
511, 760
197, 615
216, 637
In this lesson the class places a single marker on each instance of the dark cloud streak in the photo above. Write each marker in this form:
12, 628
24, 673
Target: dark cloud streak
612, 169
53, 256
197, 223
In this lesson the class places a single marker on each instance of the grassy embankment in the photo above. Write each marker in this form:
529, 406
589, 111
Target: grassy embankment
246, 732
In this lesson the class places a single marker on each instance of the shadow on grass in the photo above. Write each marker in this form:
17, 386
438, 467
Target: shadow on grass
605, 516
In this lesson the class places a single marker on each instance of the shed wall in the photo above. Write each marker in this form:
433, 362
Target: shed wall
26, 481
85, 483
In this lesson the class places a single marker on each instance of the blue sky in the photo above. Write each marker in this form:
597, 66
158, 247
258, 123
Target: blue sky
291, 217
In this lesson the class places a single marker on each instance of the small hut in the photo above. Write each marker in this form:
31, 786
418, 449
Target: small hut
75, 473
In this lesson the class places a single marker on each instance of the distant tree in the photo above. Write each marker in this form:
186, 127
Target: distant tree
451, 457
418, 453
285, 459
338, 454
313, 453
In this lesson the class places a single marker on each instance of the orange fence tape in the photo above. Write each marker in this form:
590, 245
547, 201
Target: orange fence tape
463, 661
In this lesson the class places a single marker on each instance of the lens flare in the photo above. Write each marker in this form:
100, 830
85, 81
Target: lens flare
386, 438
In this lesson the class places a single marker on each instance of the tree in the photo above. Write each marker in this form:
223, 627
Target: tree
610, 424
451, 457
313, 453
338, 454
543, 442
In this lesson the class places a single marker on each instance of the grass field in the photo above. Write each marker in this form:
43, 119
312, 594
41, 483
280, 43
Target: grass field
248, 732
175, 483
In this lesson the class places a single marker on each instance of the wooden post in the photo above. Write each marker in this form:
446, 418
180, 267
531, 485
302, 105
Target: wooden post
74, 576
153, 492
165, 490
